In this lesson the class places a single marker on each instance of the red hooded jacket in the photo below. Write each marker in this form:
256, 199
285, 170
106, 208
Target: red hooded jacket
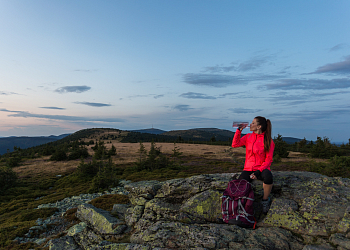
256, 157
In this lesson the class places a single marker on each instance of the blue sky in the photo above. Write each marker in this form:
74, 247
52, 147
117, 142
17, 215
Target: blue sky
68, 65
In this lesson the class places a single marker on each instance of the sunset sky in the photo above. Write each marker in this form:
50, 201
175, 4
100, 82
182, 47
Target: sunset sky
67, 65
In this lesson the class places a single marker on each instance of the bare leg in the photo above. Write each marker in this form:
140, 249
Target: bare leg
267, 190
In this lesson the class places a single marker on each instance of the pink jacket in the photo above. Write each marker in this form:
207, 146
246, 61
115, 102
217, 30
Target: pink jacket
256, 157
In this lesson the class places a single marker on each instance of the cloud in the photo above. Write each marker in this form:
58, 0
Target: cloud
220, 81
282, 97
142, 96
158, 96
8, 93
311, 84
338, 47
306, 115
253, 63
213, 80
52, 108
244, 110
219, 69
182, 107
85, 70
93, 104
25, 114
192, 95
229, 94
342, 67
69, 89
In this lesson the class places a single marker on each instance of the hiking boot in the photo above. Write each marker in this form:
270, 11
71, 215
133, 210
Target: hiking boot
266, 205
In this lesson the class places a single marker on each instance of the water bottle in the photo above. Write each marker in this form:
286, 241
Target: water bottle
240, 124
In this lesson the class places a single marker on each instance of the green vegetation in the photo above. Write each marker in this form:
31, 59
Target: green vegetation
322, 148
8, 178
106, 202
281, 148
337, 166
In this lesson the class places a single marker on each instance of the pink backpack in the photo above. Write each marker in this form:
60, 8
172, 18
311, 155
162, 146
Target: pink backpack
237, 204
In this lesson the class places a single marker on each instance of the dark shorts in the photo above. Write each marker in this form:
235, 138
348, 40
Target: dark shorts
266, 176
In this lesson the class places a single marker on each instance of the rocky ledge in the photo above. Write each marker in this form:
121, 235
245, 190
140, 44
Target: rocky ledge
308, 211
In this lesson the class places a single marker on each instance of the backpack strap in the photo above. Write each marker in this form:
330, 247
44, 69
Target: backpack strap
247, 198
241, 209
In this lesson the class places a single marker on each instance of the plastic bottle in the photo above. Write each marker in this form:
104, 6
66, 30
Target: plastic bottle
240, 124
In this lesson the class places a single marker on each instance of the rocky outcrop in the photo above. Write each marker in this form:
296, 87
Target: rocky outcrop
308, 211
102, 221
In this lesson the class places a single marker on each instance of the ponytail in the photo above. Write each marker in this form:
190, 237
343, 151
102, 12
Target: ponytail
267, 128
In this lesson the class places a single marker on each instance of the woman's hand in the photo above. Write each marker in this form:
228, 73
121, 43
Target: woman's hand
242, 126
253, 177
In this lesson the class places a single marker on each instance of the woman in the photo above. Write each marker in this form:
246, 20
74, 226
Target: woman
259, 154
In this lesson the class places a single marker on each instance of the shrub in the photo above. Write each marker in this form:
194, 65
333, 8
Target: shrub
59, 155
338, 166
277, 159
13, 162
112, 151
281, 147
78, 153
323, 149
89, 169
105, 177
100, 150
8, 178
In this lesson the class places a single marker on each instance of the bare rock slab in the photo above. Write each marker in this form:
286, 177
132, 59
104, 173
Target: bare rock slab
100, 220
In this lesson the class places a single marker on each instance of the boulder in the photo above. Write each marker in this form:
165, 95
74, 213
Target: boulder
65, 242
102, 221
309, 211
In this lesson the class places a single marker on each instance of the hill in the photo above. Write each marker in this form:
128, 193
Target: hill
23, 142
144, 135
291, 140
149, 131
202, 134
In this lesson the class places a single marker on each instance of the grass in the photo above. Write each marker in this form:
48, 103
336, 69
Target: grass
43, 181
106, 202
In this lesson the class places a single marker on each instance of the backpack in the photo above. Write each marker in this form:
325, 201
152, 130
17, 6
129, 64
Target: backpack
237, 204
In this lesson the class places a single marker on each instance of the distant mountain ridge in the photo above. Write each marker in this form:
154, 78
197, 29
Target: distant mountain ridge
154, 131
8, 143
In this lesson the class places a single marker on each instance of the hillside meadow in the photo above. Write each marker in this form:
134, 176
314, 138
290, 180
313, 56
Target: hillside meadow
43, 180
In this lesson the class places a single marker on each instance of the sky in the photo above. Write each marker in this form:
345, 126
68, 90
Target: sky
67, 65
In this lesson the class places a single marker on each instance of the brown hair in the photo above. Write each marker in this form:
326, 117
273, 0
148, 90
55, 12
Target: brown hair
265, 127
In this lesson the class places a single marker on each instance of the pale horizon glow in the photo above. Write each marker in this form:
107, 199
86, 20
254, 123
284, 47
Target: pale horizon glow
172, 65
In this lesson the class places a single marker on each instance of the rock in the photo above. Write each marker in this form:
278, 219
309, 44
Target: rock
309, 211
87, 238
100, 220
340, 240
180, 189
318, 247
321, 201
65, 242
142, 188
76, 229
205, 205
40, 241
119, 210
120, 246
212, 236
133, 215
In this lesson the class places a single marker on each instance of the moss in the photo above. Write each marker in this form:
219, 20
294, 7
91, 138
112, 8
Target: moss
34, 214
291, 220
106, 202
69, 215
